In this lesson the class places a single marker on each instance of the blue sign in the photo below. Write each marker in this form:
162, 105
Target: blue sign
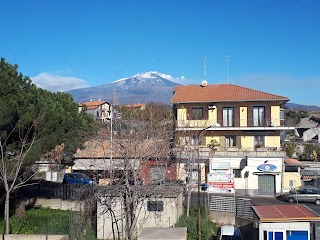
266, 167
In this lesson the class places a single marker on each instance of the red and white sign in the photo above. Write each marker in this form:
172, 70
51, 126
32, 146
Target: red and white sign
221, 184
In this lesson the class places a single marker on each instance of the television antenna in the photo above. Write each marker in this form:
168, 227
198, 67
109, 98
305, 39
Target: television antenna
204, 82
227, 57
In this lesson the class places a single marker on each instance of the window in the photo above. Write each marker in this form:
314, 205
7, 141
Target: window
258, 141
282, 114
258, 116
155, 206
231, 141
227, 116
197, 113
237, 173
291, 184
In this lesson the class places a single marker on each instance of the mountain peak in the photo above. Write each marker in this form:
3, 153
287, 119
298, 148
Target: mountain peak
146, 75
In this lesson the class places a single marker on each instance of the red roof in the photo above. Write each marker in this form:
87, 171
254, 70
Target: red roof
92, 104
221, 93
284, 213
293, 162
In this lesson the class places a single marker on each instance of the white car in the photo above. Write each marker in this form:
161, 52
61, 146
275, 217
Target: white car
229, 232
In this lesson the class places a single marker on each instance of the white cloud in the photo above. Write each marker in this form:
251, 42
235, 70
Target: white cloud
56, 83
181, 80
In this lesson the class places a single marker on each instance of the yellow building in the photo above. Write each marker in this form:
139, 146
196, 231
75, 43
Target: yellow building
291, 175
244, 124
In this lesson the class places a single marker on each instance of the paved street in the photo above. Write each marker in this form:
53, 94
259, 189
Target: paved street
257, 200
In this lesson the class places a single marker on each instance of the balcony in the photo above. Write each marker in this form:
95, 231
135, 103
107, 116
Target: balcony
206, 153
241, 124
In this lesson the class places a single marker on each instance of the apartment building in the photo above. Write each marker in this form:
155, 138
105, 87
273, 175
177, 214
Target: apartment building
231, 136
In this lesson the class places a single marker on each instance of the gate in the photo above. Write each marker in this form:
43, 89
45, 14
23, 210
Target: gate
241, 207
266, 184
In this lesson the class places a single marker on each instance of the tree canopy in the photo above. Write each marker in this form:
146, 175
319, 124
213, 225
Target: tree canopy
52, 117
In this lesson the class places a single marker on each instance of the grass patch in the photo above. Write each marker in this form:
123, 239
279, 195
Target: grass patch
191, 223
46, 221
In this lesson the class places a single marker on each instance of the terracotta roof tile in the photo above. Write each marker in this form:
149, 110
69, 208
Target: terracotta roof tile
92, 104
148, 148
282, 213
220, 93
293, 162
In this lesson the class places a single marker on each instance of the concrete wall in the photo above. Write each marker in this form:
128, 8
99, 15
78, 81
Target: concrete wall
61, 204
172, 210
35, 237
222, 218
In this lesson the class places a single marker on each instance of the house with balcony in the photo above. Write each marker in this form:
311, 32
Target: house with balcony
246, 126
100, 110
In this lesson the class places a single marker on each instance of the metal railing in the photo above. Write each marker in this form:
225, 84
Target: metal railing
205, 153
236, 123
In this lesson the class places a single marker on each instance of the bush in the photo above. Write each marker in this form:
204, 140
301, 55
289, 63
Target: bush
191, 223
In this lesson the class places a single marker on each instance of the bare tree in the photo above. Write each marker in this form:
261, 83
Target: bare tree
139, 166
13, 172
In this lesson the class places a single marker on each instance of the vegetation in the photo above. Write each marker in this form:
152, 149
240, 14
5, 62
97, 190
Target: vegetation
153, 112
296, 115
33, 122
311, 152
46, 221
290, 149
208, 228
213, 144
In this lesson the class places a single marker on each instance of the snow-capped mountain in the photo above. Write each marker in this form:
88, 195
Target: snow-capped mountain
140, 88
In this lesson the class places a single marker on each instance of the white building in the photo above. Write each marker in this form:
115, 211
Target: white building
247, 176
161, 207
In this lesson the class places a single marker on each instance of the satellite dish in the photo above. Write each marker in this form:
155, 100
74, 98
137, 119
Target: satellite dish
204, 83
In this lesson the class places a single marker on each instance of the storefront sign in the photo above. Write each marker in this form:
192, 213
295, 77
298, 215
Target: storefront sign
221, 184
266, 167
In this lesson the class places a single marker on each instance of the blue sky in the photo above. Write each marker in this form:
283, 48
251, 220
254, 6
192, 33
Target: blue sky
274, 45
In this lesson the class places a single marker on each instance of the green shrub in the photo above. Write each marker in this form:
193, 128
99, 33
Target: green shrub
191, 223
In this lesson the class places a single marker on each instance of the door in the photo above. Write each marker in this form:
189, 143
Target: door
266, 184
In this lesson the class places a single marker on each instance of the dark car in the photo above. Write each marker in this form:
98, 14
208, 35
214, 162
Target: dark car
77, 178
303, 194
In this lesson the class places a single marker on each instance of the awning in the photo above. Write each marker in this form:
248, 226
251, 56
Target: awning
308, 177
266, 173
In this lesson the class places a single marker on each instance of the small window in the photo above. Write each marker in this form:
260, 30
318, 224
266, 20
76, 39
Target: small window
237, 173
231, 141
155, 206
197, 113
291, 184
259, 141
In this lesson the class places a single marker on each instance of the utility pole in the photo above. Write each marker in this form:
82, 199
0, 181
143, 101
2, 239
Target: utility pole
199, 183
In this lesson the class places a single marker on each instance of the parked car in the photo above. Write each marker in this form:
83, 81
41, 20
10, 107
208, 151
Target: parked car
77, 178
303, 194
229, 232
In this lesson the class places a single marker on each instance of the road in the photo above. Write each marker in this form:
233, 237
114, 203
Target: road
257, 200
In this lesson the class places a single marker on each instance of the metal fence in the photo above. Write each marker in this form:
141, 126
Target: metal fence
241, 207
48, 190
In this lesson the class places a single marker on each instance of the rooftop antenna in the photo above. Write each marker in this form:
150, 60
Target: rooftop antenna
205, 68
227, 57
204, 82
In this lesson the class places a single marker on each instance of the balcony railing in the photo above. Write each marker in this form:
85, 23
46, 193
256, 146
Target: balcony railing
240, 123
206, 153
